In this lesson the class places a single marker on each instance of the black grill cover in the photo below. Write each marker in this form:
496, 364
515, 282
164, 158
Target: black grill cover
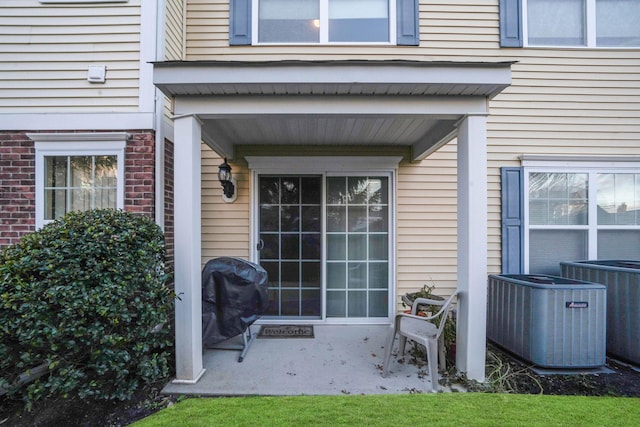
234, 295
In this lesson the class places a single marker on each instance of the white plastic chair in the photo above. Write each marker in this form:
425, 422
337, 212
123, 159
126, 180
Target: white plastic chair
423, 330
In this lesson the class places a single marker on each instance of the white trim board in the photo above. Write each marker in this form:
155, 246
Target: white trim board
589, 162
301, 164
76, 121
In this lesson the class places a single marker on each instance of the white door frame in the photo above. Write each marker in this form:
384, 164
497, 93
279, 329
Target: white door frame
329, 166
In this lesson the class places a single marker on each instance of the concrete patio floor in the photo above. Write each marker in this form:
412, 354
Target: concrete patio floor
340, 359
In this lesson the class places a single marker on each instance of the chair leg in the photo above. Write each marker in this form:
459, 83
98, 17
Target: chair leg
442, 359
402, 344
387, 351
432, 361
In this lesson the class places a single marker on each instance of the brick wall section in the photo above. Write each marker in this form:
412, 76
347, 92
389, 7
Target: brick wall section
168, 205
17, 181
139, 189
17, 187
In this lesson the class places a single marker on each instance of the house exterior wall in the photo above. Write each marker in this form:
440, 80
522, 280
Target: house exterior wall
174, 42
174, 30
578, 101
18, 185
47, 49
225, 226
140, 174
426, 231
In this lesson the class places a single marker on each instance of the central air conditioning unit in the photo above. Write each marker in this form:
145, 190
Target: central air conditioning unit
622, 280
553, 322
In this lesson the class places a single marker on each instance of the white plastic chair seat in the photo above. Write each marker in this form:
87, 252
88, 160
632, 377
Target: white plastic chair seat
417, 329
422, 330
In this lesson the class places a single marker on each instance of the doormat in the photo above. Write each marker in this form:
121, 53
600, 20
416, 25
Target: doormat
286, 331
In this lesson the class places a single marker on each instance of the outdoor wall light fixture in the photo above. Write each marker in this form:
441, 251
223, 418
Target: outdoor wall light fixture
228, 182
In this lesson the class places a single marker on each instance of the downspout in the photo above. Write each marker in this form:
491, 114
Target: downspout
158, 118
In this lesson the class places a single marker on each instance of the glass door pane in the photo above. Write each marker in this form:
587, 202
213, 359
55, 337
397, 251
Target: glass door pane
290, 233
357, 246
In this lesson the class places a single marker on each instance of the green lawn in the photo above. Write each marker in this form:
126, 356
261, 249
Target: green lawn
454, 409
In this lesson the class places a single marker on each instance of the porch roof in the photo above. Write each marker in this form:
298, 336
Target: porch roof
414, 104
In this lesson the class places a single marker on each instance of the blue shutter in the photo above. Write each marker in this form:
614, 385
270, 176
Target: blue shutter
240, 22
408, 26
512, 220
511, 23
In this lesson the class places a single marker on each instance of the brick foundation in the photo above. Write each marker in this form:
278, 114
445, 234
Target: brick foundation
17, 187
139, 171
168, 205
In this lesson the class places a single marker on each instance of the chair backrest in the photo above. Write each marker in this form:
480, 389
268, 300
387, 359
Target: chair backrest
443, 313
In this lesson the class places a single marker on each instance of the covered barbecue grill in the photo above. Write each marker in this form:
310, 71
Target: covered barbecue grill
234, 295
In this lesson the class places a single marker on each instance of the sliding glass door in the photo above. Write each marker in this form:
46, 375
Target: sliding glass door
357, 246
290, 238
324, 241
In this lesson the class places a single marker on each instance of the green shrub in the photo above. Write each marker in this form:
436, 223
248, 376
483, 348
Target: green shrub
87, 296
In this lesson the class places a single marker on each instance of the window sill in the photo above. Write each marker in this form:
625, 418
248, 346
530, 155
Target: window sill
538, 47
331, 44
81, 1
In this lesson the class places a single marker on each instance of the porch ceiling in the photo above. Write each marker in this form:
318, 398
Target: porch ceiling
405, 103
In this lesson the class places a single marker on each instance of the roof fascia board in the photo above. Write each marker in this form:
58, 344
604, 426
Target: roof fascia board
442, 107
382, 73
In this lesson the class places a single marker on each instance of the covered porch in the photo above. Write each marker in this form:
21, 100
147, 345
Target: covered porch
417, 106
340, 359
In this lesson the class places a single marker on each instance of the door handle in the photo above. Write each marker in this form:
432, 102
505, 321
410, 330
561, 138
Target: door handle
260, 245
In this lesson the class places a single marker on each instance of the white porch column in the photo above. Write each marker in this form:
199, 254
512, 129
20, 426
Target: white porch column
472, 246
187, 218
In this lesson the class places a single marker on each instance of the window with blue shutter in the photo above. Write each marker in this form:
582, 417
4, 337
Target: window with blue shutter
577, 23
300, 21
512, 220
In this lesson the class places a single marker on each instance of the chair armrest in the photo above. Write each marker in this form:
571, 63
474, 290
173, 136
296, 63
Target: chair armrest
414, 316
427, 301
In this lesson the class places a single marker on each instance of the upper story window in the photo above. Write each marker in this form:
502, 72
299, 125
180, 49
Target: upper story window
324, 21
589, 23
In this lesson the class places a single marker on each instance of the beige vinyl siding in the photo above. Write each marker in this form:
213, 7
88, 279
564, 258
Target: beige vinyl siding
47, 48
562, 102
425, 228
174, 41
174, 26
571, 101
225, 226
469, 27
426, 223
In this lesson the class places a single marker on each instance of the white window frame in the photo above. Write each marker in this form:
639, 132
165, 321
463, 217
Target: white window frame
77, 144
590, 29
324, 27
589, 167
330, 166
